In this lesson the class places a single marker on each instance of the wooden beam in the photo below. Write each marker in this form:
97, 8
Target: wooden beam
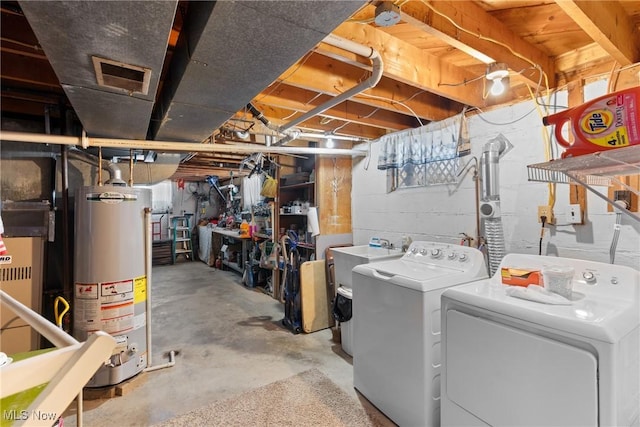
580, 58
19, 68
319, 73
590, 72
199, 174
22, 52
22, 107
627, 78
607, 24
477, 21
408, 64
279, 117
335, 203
302, 100
222, 157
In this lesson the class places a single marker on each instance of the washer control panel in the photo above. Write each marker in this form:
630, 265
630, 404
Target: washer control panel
444, 254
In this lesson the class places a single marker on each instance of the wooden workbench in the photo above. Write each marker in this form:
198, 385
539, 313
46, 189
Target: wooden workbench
217, 242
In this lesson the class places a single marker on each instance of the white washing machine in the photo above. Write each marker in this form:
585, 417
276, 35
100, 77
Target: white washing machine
511, 362
396, 327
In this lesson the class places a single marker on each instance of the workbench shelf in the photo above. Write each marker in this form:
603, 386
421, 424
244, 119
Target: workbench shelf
600, 169
301, 185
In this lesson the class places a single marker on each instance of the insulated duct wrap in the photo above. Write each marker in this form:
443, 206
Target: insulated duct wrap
495, 242
490, 203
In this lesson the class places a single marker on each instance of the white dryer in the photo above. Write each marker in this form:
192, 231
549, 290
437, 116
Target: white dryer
396, 327
511, 362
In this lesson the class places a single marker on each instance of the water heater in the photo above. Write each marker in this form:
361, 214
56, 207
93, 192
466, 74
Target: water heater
110, 288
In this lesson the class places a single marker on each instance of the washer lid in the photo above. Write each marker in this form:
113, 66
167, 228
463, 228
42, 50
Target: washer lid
605, 309
418, 276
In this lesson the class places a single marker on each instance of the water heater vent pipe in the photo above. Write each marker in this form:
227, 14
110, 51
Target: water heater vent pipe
115, 174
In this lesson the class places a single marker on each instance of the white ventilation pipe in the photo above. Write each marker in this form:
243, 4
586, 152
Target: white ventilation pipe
376, 75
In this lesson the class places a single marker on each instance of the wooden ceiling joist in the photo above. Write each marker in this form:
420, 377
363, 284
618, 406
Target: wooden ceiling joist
609, 26
318, 123
328, 76
408, 64
296, 99
20, 68
510, 48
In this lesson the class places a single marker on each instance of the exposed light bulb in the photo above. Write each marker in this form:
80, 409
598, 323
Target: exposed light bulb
330, 143
497, 88
242, 134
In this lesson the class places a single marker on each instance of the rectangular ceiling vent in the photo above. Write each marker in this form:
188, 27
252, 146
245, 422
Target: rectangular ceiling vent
118, 75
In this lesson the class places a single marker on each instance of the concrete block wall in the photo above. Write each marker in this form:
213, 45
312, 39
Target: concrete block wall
441, 213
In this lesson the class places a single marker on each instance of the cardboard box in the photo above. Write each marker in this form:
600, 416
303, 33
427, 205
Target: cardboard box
521, 276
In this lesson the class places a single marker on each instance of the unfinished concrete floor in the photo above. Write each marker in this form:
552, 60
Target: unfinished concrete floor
230, 340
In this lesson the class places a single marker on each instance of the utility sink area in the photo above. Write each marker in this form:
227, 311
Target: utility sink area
346, 258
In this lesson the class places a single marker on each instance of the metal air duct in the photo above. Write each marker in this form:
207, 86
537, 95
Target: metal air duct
490, 202
131, 35
229, 51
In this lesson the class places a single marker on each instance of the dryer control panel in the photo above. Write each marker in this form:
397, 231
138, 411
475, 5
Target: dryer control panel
598, 278
444, 255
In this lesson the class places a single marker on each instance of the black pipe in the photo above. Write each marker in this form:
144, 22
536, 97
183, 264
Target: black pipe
258, 114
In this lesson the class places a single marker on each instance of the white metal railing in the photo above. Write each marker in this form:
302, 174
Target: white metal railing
65, 371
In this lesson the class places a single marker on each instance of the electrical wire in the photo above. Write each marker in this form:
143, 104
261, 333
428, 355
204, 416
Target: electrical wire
464, 82
612, 83
543, 219
547, 150
500, 124
285, 78
375, 110
340, 127
290, 115
489, 39
393, 102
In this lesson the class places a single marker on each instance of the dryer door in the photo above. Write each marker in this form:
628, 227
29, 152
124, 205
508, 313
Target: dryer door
506, 376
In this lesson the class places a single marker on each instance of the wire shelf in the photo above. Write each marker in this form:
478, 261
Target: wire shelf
592, 169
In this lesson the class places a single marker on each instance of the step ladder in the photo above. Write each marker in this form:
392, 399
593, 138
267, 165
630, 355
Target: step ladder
181, 238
